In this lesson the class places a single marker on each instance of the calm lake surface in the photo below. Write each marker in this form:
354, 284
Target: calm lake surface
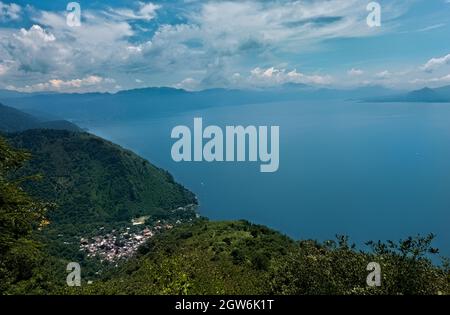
369, 171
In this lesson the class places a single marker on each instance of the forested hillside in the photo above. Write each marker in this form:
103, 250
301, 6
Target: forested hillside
93, 180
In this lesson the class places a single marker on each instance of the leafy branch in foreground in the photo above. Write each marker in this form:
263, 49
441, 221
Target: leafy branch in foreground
19, 216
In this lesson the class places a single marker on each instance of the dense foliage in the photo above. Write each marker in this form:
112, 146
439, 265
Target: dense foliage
338, 268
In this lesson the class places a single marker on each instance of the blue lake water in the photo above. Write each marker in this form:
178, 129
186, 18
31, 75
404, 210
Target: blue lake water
369, 171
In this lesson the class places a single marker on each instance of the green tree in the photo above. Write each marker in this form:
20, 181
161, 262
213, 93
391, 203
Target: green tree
19, 216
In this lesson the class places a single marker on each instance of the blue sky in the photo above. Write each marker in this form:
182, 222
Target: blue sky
195, 44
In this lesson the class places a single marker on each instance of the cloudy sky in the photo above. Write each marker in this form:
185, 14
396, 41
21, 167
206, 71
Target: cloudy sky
195, 44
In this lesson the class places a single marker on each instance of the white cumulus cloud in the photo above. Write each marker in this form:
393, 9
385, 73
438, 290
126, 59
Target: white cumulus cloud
355, 72
188, 84
435, 63
383, 75
58, 85
436, 80
274, 76
146, 12
10, 11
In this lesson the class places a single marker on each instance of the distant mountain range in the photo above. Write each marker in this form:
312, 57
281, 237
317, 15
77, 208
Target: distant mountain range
425, 95
138, 103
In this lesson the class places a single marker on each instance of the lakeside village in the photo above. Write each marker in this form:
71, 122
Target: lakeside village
123, 243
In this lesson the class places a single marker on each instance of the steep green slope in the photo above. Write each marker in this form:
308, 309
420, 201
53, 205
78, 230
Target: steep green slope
93, 180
